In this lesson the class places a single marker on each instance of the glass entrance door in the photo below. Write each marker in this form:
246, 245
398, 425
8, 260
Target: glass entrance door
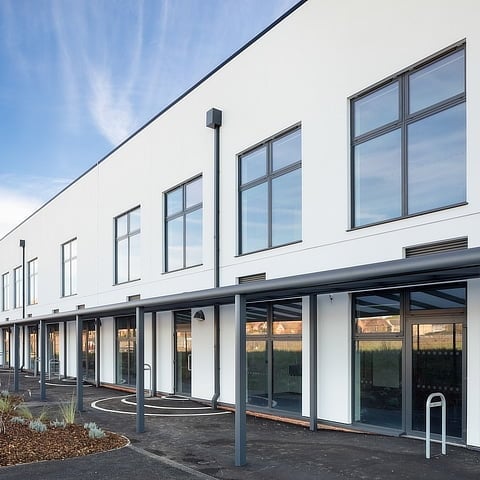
6, 347
53, 350
437, 367
88, 349
33, 348
183, 352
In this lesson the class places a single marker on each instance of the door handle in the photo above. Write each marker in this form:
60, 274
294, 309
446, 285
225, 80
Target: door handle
189, 362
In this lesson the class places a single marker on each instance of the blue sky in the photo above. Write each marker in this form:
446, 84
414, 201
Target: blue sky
79, 76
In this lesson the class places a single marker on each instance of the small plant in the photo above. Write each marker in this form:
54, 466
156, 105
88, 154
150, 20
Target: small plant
6, 405
19, 420
37, 426
94, 431
57, 423
24, 411
4, 394
43, 417
68, 411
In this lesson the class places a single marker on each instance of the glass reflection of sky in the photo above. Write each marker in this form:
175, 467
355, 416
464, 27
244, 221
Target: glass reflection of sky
378, 179
436, 160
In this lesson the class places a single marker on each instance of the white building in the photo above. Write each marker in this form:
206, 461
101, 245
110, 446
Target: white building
348, 165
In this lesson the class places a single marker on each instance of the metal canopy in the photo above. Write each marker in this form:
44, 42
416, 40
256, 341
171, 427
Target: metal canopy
435, 268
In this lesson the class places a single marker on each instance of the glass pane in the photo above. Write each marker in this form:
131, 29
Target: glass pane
135, 257
287, 318
378, 179
121, 225
287, 208
73, 285
376, 109
193, 234
438, 298
73, 245
254, 218
377, 313
66, 251
257, 373
437, 368
175, 244
174, 201
378, 383
134, 220
122, 260
184, 361
436, 161
194, 193
253, 165
436, 82
287, 150
257, 320
287, 375
67, 287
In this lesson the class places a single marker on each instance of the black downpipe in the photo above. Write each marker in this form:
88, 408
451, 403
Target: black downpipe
24, 273
214, 120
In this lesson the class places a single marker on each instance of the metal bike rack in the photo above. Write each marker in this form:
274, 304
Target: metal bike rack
53, 361
430, 404
148, 367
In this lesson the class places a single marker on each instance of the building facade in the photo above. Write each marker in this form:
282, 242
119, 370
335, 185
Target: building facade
342, 147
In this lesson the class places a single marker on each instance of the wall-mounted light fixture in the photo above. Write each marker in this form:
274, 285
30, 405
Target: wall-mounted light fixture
199, 315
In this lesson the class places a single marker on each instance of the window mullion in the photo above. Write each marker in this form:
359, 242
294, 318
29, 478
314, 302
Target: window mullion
269, 195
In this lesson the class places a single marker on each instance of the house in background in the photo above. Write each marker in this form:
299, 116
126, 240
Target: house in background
332, 206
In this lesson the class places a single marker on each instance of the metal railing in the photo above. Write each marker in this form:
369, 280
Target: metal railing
53, 362
148, 367
431, 404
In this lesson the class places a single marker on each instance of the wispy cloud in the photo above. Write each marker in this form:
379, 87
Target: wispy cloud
21, 196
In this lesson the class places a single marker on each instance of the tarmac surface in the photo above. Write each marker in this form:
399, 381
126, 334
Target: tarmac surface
184, 440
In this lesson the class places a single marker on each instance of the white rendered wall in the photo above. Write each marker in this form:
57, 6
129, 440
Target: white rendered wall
165, 342
334, 358
203, 380
227, 354
107, 350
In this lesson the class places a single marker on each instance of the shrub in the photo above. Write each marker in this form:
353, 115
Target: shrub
68, 411
24, 411
93, 430
57, 423
37, 426
20, 420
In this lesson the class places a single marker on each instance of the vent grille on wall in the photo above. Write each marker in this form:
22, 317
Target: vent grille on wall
252, 278
437, 247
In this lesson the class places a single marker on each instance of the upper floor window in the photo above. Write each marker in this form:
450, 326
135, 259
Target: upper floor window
270, 190
183, 226
127, 246
33, 281
6, 291
18, 287
408, 143
69, 268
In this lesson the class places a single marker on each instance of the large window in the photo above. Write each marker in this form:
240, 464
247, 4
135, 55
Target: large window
270, 189
183, 226
274, 355
69, 268
6, 291
33, 282
127, 246
18, 287
408, 143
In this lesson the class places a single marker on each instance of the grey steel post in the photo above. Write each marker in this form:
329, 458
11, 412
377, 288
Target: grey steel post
240, 382
43, 356
153, 373
140, 370
16, 357
65, 347
79, 325
313, 361
97, 351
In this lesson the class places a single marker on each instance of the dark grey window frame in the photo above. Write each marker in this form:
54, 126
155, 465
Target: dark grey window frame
402, 123
64, 269
5, 289
32, 282
180, 214
267, 178
127, 236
